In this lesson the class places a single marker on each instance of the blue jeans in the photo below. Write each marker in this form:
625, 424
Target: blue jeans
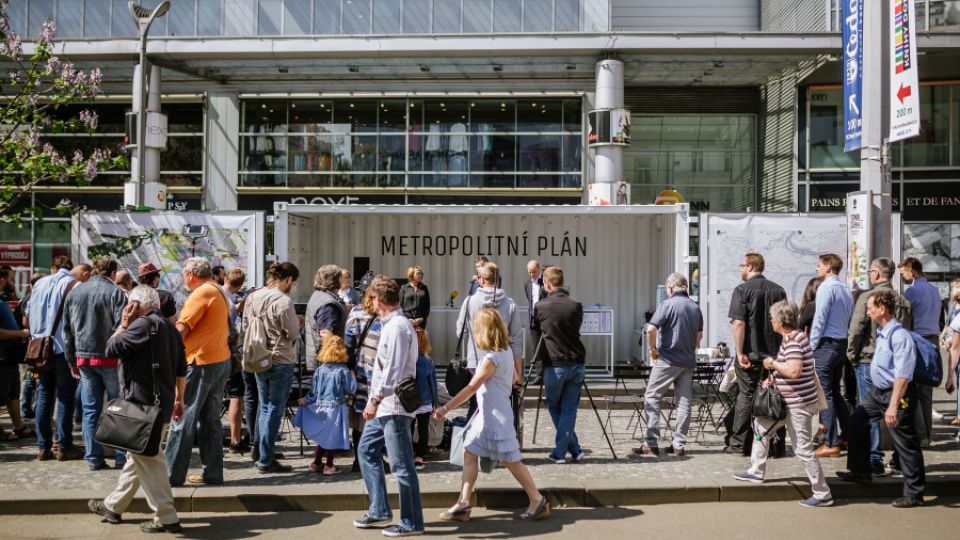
94, 381
830, 356
392, 432
273, 386
864, 387
29, 394
202, 404
562, 385
57, 383
251, 405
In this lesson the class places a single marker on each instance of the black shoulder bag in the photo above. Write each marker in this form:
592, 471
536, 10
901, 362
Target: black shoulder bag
130, 426
769, 403
457, 376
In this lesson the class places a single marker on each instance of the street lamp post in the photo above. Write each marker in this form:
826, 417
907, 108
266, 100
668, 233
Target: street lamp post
144, 18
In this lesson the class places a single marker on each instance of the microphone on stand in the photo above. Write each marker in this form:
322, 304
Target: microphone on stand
453, 294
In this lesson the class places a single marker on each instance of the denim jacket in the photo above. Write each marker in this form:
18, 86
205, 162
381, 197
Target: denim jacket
330, 386
426, 381
90, 316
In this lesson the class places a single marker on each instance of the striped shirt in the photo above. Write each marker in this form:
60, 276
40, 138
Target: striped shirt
802, 390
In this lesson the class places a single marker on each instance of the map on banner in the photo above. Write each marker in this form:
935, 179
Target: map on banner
229, 239
790, 245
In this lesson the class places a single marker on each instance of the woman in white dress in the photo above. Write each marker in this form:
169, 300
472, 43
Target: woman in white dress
491, 434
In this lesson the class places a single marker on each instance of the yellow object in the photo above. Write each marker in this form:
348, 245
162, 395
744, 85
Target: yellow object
669, 196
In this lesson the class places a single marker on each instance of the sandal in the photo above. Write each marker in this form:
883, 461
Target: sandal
461, 514
542, 511
955, 421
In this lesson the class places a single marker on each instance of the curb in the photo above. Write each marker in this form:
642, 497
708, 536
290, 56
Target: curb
501, 494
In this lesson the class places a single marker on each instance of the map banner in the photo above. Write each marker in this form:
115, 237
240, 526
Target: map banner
230, 239
790, 245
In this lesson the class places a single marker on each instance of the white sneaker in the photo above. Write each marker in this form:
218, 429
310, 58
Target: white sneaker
937, 415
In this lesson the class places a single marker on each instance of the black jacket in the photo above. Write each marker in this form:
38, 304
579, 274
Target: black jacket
528, 290
558, 318
137, 350
415, 303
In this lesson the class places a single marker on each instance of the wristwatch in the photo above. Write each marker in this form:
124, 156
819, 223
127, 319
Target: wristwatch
375, 401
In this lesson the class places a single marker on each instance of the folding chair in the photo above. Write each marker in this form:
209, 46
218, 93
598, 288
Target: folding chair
632, 401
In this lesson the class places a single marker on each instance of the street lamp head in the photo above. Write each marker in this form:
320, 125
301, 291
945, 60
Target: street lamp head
141, 13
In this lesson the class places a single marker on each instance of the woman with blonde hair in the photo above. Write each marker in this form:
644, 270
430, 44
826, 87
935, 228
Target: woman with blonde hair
492, 435
415, 298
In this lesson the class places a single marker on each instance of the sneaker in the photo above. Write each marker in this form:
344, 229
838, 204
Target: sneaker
580, 457
199, 479
937, 415
877, 469
558, 461
396, 530
275, 467
154, 526
367, 522
747, 477
814, 502
418, 464
97, 507
908, 502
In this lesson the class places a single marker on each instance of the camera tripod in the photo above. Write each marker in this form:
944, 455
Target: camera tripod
536, 421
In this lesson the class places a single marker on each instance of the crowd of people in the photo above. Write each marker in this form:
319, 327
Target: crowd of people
367, 348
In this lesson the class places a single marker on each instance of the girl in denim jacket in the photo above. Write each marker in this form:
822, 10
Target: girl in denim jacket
427, 384
323, 411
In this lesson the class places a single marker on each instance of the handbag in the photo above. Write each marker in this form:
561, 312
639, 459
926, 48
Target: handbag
457, 437
458, 376
39, 355
408, 392
769, 403
130, 426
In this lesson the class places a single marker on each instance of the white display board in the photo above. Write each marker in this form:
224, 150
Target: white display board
233, 240
790, 245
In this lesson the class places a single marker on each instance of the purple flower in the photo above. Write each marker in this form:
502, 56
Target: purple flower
12, 46
91, 170
89, 119
47, 32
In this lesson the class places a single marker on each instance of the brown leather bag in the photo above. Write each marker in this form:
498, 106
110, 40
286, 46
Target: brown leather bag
39, 357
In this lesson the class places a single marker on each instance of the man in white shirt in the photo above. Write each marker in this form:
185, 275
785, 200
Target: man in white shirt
533, 288
388, 422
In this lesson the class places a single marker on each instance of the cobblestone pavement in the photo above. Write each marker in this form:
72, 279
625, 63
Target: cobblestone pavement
703, 463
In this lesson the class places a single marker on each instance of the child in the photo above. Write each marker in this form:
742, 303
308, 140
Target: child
427, 383
323, 411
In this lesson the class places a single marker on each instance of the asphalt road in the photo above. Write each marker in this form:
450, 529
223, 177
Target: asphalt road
780, 520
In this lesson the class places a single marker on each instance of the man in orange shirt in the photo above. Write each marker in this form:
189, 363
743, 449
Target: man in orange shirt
203, 325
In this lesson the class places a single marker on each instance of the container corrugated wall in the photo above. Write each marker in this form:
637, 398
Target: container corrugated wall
620, 259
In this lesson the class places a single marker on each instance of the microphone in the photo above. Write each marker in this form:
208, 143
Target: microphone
453, 294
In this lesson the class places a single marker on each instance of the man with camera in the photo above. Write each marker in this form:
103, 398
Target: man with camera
557, 319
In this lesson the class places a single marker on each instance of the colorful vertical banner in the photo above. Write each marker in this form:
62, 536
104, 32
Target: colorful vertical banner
852, 73
859, 215
904, 79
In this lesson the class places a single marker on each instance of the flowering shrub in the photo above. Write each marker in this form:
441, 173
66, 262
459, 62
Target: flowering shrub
39, 87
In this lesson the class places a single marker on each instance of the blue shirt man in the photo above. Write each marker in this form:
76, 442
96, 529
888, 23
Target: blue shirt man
894, 357
834, 309
43, 304
925, 300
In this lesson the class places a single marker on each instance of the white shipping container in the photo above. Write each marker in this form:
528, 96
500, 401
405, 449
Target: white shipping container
611, 255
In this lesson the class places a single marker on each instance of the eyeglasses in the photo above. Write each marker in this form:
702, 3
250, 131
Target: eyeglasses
418, 273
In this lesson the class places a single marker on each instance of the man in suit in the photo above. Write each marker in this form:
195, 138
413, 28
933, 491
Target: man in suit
533, 288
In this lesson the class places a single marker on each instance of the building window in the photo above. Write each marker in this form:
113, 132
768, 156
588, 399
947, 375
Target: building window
937, 146
709, 159
181, 164
421, 143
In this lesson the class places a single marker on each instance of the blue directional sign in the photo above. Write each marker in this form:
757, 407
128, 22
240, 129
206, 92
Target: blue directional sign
852, 73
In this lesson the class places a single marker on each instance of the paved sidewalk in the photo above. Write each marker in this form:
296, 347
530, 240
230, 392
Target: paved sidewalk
703, 474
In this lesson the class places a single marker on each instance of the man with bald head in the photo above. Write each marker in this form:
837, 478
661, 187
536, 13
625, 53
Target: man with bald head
533, 288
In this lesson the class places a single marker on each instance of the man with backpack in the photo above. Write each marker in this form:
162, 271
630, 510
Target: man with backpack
893, 398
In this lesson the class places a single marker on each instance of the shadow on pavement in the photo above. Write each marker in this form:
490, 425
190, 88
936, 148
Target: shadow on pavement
508, 526
236, 526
